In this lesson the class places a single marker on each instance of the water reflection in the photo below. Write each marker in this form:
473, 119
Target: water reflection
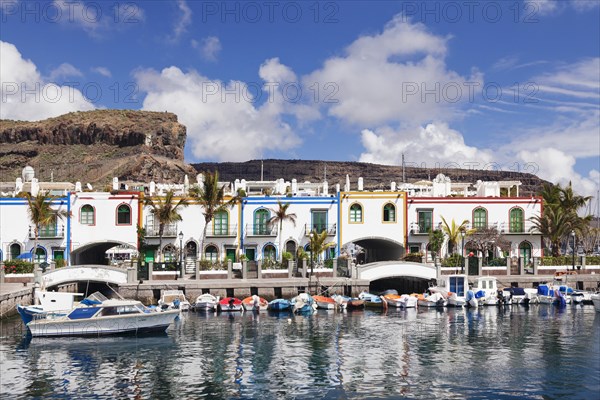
456, 353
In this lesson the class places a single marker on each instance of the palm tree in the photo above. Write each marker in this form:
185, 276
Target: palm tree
41, 214
560, 215
454, 232
211, 197
166, 212
279, 216
436, 241
318, 245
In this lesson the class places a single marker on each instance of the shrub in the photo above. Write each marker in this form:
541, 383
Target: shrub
413, 257
328, 263
497, 262
560, 260
286, 255
592, 260
59, 263
269, 263
453, 261
18, 267
207, 265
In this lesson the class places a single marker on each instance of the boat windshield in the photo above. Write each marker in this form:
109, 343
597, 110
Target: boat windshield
121, 310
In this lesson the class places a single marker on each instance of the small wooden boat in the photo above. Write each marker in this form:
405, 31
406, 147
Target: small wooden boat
303, 303
347, 303
371, 300
324, 303
174, 299
255, 303
206, 302
230, 304
280, 305
432, 300
393, 300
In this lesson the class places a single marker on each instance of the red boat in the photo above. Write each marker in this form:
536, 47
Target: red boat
230, 304
255, 303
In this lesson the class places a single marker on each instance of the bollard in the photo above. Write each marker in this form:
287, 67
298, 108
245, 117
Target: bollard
229, 269
466, 266
521, 266
291, 265
536, 263
334, 271
197, 268
480, 267
508, 265
150, 270
244, 269
303, 268
259, 270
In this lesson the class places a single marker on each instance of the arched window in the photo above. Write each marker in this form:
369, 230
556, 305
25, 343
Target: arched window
269, 252
211, 253
525, 252
15, 251
124, 215
86, 215
261, 220
221, 223
356, 213
389, 213
169, 253
480, 218
516, 220
40, 255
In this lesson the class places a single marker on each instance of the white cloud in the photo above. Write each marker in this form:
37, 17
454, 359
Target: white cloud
105, 72
183, 21
384, 78
557, 166
25, 95
433, 144
64, 71
209, 49
548, 7
220, 125
97, 18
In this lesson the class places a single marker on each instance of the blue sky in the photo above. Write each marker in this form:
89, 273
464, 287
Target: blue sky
511, 85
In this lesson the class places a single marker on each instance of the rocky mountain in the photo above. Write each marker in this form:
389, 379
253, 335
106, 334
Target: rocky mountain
375, 176
140, 146
95, 146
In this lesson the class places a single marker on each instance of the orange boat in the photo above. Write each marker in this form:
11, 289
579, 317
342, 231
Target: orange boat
326, 303
255, 303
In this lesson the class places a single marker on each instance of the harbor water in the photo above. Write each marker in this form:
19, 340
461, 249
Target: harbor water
538, 352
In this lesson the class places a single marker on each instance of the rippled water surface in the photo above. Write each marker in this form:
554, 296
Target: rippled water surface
536, 353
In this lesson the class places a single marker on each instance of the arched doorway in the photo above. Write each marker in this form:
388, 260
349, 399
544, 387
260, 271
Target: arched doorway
525, 252
14, 251
290, 247
191, 255
95, 252
375, 249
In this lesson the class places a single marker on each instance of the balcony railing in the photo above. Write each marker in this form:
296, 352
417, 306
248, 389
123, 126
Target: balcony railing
221, 231
48, 232
261, 229
419, 229
170, 231
331, 229
526, 227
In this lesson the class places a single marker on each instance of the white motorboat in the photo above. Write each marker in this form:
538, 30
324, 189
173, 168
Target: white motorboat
554, 294
206, 302
431, 300
486, 291
96, 315
457, 290
57, 303
596, 301
174, 299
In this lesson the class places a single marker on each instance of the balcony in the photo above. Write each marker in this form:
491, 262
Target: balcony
48, 232
169, 231
221, 231
261, 230
525, 228
420, 229
331, 229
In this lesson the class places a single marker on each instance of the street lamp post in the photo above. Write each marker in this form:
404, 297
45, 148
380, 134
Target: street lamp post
573, 235
462, 251
181, 253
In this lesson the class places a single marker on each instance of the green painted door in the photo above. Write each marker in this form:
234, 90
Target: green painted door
149, 256
230, 254
251, 254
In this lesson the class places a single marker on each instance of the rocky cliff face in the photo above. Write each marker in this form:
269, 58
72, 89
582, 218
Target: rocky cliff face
375, 176
94, 146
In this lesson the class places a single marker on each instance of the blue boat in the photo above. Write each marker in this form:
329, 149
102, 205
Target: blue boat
371, 300
280, 305
303, 303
